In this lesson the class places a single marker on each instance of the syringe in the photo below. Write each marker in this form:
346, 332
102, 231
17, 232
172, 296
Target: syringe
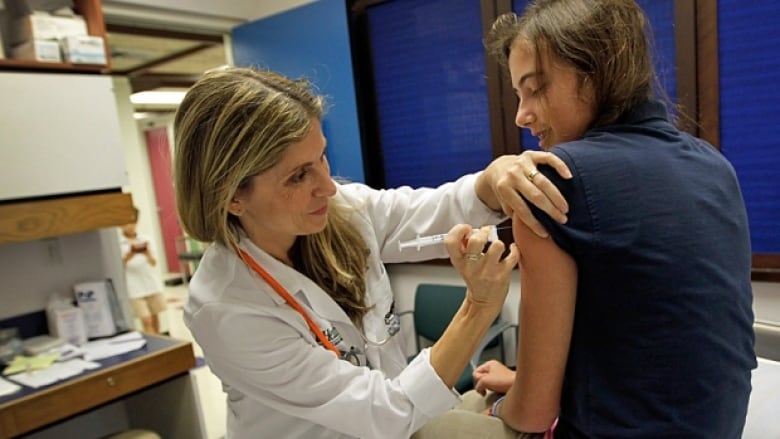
425, 241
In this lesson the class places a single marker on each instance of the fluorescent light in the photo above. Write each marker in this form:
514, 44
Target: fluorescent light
157, 97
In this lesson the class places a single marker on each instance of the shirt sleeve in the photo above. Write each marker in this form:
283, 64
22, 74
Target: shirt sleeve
404, 213
270, 362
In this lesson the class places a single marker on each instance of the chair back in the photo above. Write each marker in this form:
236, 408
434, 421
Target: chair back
434, 307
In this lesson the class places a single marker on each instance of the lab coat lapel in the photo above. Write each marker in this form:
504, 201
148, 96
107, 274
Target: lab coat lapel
328, 312
298, 285
320, 301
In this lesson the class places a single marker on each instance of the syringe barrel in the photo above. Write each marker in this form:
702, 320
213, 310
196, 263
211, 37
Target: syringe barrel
425, 241
421, 241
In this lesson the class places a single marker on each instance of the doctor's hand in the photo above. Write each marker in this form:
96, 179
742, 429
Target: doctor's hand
509, 178
486, 274
493, 375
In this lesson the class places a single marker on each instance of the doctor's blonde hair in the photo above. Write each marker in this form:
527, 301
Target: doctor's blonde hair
235, 123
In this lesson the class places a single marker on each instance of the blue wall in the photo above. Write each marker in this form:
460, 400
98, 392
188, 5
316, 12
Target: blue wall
749, 57
312, 41
428, 63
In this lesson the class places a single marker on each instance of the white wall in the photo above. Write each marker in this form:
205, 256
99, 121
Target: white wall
766, 301
32, 271
138, 171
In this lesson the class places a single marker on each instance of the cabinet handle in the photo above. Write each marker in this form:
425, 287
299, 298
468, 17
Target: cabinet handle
111, 381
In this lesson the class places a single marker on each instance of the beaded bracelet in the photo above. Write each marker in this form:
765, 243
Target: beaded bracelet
494, 407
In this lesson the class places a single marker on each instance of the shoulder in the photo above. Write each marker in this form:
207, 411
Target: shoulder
221, 279
353, 193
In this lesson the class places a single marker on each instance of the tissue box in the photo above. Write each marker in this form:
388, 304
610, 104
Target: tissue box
38, 50
84, 49
67, 323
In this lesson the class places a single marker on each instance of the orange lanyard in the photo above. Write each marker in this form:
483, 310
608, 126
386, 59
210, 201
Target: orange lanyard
288, 298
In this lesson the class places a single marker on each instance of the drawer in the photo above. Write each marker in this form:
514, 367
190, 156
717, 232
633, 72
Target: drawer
86, 392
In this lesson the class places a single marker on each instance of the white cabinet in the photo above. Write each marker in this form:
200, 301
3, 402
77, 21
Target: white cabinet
59, 135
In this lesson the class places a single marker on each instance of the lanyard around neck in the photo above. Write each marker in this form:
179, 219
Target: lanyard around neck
247, 258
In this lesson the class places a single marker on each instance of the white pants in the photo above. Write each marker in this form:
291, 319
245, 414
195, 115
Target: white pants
466, 421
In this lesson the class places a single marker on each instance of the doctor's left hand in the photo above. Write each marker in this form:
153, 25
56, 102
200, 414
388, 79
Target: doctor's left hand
486, 274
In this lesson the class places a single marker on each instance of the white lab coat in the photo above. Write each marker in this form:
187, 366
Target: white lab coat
280, 382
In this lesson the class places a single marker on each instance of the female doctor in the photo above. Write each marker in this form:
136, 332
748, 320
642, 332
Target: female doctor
292, 305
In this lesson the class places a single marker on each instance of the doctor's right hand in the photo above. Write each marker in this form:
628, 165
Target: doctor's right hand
486, 274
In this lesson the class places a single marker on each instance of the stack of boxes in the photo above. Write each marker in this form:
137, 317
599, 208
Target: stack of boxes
49, 31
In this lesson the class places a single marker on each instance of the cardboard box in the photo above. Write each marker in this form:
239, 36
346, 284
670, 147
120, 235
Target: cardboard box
46, 27
38, 50
84, 49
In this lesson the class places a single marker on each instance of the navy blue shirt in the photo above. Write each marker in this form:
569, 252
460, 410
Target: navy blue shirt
662, 343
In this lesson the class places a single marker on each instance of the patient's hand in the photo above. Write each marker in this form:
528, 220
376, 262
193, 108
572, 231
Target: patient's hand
493, 375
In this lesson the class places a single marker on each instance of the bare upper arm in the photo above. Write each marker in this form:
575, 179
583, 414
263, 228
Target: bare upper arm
548, 279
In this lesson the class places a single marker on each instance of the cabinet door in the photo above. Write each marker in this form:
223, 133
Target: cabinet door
60, 135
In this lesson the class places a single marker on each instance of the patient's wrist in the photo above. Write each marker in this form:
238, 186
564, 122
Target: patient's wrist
494, 408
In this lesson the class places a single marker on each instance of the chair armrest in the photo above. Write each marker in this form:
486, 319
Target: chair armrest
494, 331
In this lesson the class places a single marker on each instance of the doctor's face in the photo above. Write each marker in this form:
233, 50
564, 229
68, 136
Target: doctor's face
289, 199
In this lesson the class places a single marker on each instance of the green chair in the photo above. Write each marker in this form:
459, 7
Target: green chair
434, 307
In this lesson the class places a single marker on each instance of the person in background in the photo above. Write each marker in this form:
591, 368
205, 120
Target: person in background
636, 317
144, 285
292, 304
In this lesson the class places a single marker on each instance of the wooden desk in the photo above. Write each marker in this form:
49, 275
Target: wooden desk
30, 409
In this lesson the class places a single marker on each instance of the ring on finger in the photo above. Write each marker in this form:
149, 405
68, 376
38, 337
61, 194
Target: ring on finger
473, 256
532, 175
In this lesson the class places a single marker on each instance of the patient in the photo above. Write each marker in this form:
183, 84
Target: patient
635, 316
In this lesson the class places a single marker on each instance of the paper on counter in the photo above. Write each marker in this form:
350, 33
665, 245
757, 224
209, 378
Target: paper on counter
57, 372
21, 363
7, 387
67, 352
99, 349
94, 350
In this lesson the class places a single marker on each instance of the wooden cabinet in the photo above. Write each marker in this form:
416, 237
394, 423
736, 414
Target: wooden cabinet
118, 378
92, 11
62, 164
61, 135
38, 219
